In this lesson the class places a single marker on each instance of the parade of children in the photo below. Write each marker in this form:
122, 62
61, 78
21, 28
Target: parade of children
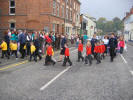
35, 44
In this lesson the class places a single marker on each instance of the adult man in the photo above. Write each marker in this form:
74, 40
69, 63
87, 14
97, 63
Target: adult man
22, 41
113, 46
63, 42
93, 41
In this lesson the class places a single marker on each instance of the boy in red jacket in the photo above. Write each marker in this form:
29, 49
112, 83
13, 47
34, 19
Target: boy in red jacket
80, 50
88, 54
97, 50
67, 54
49, 53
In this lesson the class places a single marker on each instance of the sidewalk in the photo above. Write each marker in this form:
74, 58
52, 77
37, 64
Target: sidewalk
130, 43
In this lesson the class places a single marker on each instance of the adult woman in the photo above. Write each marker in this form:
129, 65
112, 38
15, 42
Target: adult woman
106, 42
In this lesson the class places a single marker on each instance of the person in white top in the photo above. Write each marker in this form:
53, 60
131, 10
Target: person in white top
106, 42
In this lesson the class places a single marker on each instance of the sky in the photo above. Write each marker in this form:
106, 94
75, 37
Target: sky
106, 8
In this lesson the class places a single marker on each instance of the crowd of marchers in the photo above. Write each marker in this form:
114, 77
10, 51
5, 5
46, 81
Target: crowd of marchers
33, 44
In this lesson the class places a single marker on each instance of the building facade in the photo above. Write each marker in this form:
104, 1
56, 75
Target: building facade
128, 25
88, 25
50, 15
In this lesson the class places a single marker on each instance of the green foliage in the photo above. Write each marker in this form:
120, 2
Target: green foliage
109, 26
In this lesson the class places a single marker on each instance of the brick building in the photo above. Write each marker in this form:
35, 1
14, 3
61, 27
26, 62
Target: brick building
62, 16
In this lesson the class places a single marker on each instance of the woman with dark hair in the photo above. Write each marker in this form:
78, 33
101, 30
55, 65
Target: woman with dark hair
106, 42
7, 40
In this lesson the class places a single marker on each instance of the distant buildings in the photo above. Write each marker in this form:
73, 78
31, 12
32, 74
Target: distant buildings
60, 16
128, 25
88, 25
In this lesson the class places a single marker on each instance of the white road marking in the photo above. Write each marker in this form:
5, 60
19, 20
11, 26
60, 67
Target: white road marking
56, 77
131, 72
123, 59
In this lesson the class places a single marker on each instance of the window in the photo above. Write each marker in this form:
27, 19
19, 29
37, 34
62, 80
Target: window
12, 7
54, 28
58, 9
71, 15
67, 11
12, 25
54, 7
63, 11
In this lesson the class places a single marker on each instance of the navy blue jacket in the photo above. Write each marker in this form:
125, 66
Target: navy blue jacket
63, 42
22, 38
7, 39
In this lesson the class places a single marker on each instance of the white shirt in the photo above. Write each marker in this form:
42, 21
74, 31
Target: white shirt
106, 41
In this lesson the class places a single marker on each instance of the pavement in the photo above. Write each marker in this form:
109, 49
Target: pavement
33, 81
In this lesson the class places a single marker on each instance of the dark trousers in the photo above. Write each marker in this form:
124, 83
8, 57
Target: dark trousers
112, 53
37, 54
15, 52
4, 53
48, 59
89, 57
67, 59
32, 55
105, 49
102, 56
22, 51
28, 48
121, 50
98, 58
80, 56
8, 48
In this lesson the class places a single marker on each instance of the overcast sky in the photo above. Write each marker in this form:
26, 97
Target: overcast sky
106, 8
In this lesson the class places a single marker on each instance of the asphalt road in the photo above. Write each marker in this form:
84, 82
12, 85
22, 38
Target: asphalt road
106, 81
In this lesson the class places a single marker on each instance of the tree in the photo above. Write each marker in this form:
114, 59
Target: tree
109, 26
117, 24
101, 23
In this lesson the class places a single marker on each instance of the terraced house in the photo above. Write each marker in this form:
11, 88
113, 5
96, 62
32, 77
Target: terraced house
128, 25
62, 16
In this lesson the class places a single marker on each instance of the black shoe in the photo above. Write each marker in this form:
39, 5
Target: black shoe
54, 63
40, 58
2, 57
64, 65
71, 64
98, 63
83, 59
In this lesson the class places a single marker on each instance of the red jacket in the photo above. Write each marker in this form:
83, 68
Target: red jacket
48, 39
102, 48
122, 44
97, 49
67, 52
88, 50
80, 47
49, 51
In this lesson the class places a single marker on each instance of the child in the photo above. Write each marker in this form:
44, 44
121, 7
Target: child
67, 59
122, 44
102, 50
32, 51
97, 50
88, 53
80, 50
4, 49
14, 48
49, 55
24, 51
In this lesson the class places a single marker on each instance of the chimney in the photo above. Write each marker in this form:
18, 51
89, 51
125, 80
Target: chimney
131, 11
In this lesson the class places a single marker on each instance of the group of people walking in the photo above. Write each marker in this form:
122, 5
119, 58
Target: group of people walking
33, 44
